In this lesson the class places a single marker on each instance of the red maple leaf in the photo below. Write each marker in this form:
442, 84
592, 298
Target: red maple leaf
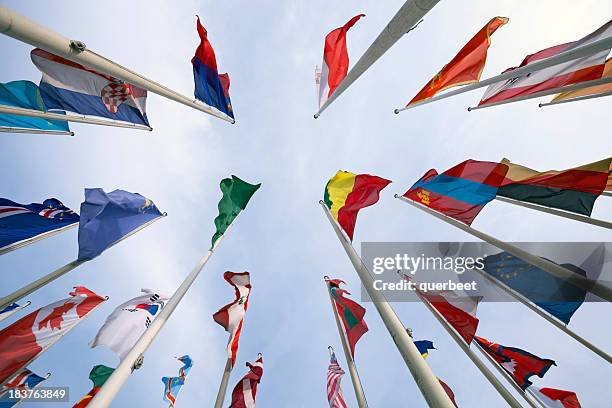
56, 317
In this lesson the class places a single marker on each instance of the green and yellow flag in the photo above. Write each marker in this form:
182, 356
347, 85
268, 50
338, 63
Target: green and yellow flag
98, 376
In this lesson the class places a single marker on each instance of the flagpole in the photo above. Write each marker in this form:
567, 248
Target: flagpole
566, 88
607, 193
8, 314
25, 30
585, 50
424, 377
12, 110
560, 213
33, 388
560, 272
224, 382
50, 277
350, 361
5, 129
26, 242
134, 359
552, 320
406, 17
577, 99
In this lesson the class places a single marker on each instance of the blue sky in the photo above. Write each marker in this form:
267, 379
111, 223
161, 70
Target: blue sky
283, 239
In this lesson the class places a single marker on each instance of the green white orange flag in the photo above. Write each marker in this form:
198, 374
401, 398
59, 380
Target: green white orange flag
346, 193
98, 376
350, 312
466, 67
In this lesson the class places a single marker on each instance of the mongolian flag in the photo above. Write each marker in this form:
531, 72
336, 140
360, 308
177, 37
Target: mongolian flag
244, 393
174, 384
98, 376
520, 364
553, 398
424, 346
24, 380
231, 316
575, 71
19, 222
334, 390
350, 312
460, 192
236, 195
335, 60
591, 90
26, 339
211, 87
346, 193
466, 67
573, 190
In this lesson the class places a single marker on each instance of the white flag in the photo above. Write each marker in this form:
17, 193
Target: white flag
129, 321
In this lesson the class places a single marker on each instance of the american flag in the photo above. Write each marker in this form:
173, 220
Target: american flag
334, 391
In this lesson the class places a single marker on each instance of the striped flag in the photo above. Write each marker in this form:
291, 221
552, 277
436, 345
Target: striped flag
553, 398
245, 391
231, 316
334, 390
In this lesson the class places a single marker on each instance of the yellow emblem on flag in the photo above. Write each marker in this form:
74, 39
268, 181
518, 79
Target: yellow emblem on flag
423, 196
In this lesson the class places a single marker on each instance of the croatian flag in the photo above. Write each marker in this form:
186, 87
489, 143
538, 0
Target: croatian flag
19, 222
25, 380
68, 86
26, 339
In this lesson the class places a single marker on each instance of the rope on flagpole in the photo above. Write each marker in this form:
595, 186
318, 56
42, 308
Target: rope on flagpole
577, 99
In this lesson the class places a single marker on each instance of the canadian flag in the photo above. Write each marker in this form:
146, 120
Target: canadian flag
29, 337
231, 316
245, 391
553, 398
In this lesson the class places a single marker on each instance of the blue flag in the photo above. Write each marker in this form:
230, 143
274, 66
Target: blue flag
424, 346
19, 222
107, 218
556, 296
26, 94
174, 384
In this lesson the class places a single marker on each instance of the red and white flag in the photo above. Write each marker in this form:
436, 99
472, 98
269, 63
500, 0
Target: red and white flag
553, 398
231, 316
582, 69
334, 390
245, 391
29, 337
335, 60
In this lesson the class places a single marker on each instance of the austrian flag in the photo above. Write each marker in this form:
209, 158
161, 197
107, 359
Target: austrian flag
26, 339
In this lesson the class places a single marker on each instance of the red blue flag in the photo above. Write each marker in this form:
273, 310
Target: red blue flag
174, 384
211, 87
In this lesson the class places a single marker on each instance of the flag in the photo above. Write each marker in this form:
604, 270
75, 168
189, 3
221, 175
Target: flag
24, 380
556, 296
335, 60
466, 67
448, 391
350, 312
460, 192
236, 196
231, 316
211, 87
68, 86
591, 90
29, 337
98, 376
11, 310
553, 398
578, 70
424, 346
243, 395
25, 94
334, 390
346, 193
128, 322
520, 364
108, 218
573, 190
19, 222
174, 384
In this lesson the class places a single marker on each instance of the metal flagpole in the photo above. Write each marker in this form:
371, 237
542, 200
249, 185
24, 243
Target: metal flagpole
585, 50
26, 242
424, 377
607, 193
50, 277
11, 110
8, 314
566, 88
551, 319
350, 361
5, 129
575, 279
560, 213
33, 388
406, 17
134, 359
224, 382
577, 99
23, 29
